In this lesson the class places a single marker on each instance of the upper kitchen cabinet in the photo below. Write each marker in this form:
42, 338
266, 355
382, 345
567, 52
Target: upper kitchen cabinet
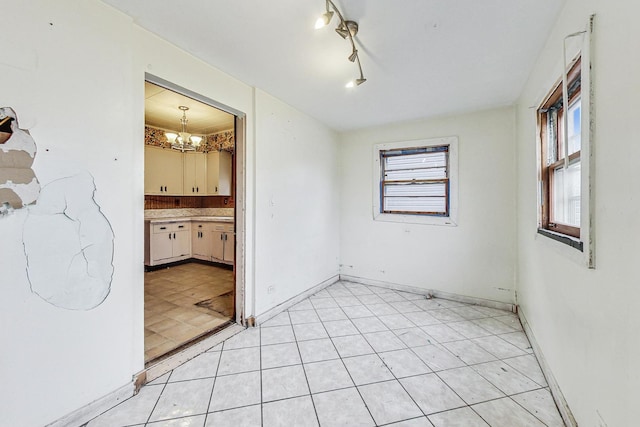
163, 171
174, 173
219, 173
195, 173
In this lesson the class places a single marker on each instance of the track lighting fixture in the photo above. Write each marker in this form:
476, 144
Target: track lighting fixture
347, 30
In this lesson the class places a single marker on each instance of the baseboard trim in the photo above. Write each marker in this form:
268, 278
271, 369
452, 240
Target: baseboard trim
261, 318
432, 293
558, 397
88, 412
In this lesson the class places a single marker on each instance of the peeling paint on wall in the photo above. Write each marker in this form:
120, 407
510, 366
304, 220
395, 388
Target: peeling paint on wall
68, 243
18, 183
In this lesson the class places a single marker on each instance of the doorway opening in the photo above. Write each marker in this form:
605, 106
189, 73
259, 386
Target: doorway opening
193, 284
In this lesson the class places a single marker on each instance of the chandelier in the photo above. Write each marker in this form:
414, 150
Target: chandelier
183, 140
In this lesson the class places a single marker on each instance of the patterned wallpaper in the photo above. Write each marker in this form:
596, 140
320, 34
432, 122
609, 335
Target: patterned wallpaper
224, 140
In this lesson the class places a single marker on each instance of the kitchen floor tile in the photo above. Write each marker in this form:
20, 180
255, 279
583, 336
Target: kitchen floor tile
317, 350
462, 417
328, 375
431, 393
283, 383
469, 385
404, 363
342, 408
388, 402
245, 416
234, 391
506, 413
352, 346
183, 399
277, 355
367, 369
298, 412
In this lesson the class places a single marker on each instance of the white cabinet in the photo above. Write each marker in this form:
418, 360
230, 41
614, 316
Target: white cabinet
201, 240
174, 173
219, 173
224, 243
163, 171
195, 174
169, 242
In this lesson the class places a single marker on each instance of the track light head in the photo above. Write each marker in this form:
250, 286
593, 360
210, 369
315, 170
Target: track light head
324, 19
353, 55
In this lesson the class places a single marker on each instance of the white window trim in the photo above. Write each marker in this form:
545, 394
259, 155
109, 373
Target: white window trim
452, 219
587, 198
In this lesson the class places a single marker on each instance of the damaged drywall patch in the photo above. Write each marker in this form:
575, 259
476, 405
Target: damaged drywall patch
68, 243
18, 183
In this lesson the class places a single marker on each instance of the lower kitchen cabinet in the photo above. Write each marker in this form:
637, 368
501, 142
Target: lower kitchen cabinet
224, 242
169, 242
201, 240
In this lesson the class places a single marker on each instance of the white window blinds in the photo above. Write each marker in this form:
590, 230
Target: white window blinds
415, 180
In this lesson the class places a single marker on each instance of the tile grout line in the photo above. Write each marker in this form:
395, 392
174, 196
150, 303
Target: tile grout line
164, 386
315, 410
215, 379
342, 361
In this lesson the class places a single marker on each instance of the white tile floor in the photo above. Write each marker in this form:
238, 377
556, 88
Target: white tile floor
355, 355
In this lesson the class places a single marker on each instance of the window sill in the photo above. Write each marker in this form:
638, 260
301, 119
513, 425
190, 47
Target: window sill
562, 238
416, 219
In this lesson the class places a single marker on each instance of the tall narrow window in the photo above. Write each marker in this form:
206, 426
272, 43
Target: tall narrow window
560, 155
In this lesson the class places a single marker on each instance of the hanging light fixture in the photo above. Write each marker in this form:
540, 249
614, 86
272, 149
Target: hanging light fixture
183, 140
347, 30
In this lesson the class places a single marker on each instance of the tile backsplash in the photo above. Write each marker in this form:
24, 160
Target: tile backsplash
186, 212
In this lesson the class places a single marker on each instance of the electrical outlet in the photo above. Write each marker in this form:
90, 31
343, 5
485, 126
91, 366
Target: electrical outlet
271, 290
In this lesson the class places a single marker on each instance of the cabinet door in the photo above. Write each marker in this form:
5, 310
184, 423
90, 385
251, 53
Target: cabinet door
217, 245
229, 246
161, 247
213, 169
181, 239
201, 241
195, 182
224, 174
163, 171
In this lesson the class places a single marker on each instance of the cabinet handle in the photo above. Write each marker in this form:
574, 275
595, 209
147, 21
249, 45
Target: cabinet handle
174, 235
197, 190
163, 228
165, 188
200, 226
216, 189
181, 226
169, 236
193, 190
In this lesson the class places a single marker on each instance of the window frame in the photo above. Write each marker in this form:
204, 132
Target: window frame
580, 250
574, 84
429, 218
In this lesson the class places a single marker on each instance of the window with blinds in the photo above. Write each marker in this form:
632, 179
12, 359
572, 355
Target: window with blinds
415, 181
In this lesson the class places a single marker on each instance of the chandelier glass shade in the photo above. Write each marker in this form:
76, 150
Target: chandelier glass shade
183, 140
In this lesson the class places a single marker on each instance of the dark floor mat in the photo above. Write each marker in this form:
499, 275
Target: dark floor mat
222, 304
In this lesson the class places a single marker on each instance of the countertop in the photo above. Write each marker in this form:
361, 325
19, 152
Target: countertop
228, 219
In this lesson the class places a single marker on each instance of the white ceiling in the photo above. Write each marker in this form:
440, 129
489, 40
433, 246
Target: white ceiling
421, 58
161, 111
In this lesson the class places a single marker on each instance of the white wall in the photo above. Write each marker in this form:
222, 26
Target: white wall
297, 200
74, 73
476, 258
587, 321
